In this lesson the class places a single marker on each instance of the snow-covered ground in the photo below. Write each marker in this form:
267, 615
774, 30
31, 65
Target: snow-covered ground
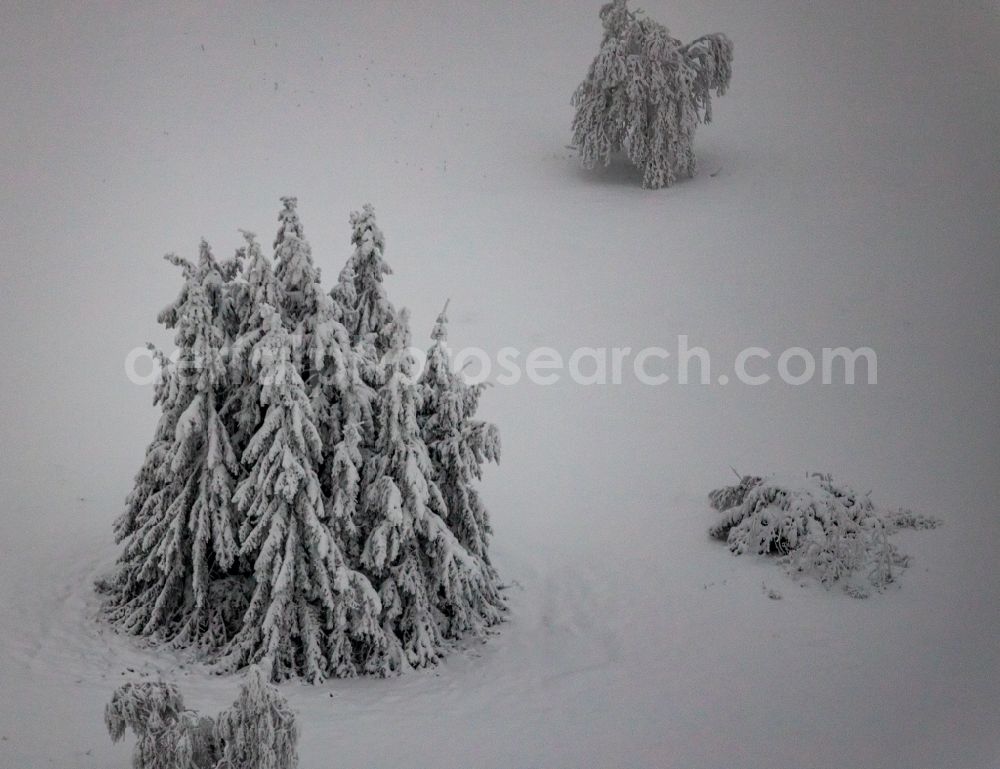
848, 196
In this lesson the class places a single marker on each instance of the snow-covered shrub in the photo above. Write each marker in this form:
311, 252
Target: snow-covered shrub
258, 731
168, 736
305, 505
819, 527
645, 93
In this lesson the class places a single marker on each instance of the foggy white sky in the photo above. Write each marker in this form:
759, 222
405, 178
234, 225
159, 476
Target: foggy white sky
870, 137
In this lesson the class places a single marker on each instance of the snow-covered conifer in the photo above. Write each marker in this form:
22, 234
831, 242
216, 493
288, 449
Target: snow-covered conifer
184, 531
310, 614
363, 309
258, 731
342, 409
324, 365
432, 588
458, 443
331, 369
172, 391
294, 266
313, 317
645, 93
361, 364
281, 488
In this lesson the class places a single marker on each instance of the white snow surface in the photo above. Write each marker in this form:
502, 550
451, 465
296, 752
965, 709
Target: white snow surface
847, 196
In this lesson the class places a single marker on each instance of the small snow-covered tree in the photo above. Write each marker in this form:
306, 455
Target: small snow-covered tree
184, 530
458, 443
258, 731
645, 93
308, 609
431, 587
168, 736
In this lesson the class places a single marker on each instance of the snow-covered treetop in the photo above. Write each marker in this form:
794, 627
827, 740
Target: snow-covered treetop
197, 317
440, 331
294, 267
345, 297
289, 219
215, 274
368, 237
374, 310
450, 405
257, 273
437, 374
256, 286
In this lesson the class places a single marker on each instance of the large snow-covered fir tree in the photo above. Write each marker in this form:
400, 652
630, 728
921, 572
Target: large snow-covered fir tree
308, 608
431, 586
177, 528
305, 505
645, 94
